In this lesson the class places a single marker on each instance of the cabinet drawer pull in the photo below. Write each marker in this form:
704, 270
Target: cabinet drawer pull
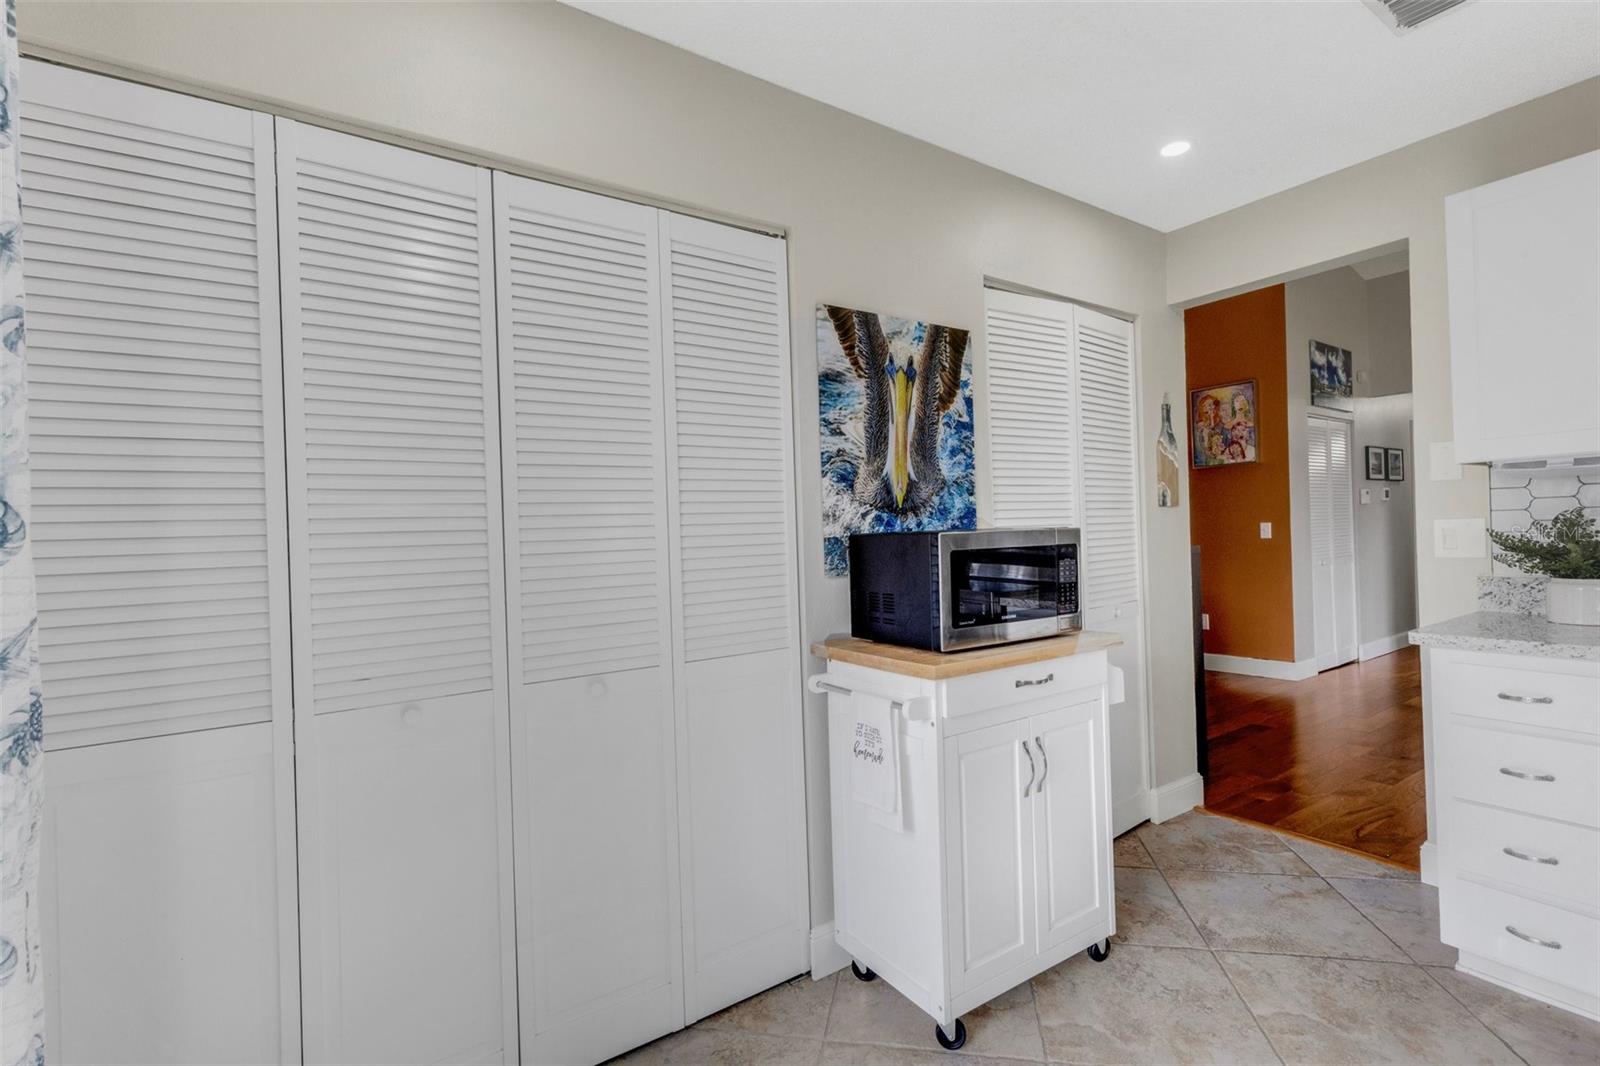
1542, 860
1045, 680
1045, 758
1032, 770
1513, 697
1523, 775
1553, 945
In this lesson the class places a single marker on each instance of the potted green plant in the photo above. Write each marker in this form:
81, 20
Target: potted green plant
1567, 548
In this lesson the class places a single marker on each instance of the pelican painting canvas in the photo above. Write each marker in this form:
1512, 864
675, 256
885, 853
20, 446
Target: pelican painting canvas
896, 422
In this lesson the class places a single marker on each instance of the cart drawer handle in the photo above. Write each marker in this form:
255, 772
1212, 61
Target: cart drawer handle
1512, 697
1553, 945
1542, 860
1032, 769
1045, 680
1523, 775
1046, 757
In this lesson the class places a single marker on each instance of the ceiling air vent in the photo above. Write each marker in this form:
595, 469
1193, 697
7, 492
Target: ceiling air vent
1403, 16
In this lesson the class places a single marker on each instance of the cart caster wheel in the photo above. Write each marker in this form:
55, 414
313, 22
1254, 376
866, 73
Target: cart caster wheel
1098, 952
951, 1043
863, 973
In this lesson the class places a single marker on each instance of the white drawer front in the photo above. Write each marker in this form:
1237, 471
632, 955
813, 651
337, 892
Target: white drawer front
1021, 684
1508, 929
1540, 775
1515, 693
1534, 854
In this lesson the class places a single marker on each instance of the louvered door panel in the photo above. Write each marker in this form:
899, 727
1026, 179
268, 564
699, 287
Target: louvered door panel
1320, 490
1109, 460
731, 473
730, 389
395, 540
155, 413
578, 284
581, 344
1032, 411
385, 300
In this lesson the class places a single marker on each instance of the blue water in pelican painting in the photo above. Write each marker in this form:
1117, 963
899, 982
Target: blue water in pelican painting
839, 402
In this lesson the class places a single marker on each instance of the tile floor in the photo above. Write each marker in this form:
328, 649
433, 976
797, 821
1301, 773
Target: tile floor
1235, 944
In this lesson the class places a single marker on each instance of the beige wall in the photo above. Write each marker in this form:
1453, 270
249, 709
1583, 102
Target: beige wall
1395, 198
874, 219
1389, 334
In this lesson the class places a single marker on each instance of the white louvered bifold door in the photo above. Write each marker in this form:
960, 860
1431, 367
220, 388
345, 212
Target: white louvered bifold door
398, 600
735, 607
1108, 446
1033, 440
158, 533
1330, 488
599, 956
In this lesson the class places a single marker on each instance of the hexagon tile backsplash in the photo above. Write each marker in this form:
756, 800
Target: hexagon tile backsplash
1517, 497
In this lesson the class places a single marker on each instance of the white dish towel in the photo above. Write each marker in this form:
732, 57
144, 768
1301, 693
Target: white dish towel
875, 755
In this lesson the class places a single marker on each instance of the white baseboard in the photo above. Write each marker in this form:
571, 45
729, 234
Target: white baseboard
1430, 864
1177, 797
1382, 646
1273, 668
826, 955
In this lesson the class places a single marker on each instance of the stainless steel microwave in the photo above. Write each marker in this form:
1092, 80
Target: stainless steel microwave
965, 588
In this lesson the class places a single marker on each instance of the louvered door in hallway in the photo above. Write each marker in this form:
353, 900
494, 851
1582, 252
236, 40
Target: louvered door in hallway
1333, 541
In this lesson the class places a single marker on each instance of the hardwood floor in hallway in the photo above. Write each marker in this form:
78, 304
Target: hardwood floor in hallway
1337, 757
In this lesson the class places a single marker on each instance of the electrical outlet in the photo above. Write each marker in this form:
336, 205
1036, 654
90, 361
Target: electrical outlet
1205, 621
1266, 531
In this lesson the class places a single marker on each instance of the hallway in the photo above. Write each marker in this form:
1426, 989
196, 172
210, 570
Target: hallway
1337, 757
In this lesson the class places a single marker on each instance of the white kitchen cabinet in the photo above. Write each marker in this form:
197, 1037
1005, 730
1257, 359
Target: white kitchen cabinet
167, 889
1523, 258
997, 865
1515, 761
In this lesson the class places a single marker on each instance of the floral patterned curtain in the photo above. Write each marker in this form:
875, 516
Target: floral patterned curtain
21, 705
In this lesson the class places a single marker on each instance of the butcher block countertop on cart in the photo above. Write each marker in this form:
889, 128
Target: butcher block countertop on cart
971, 813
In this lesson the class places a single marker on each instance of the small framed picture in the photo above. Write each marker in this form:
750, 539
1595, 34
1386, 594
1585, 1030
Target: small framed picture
1376, 471
1394, 465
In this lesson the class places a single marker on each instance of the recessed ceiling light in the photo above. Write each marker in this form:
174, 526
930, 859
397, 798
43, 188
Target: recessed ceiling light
1176, 148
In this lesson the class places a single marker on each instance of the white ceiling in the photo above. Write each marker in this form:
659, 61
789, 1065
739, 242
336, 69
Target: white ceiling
1079, 97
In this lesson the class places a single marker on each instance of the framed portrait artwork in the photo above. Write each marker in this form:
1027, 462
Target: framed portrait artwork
1376, 468
1332, 379
1222, 425
1395, 464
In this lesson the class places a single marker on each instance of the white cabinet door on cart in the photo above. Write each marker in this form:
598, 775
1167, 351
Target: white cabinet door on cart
1070, 821
401, 724
989, 851
599, 956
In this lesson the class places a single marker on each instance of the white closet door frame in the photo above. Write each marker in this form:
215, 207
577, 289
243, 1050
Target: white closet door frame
105, 97
697, 995
289, 134
1337, 500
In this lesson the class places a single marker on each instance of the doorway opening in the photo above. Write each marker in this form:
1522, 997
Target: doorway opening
1303, 522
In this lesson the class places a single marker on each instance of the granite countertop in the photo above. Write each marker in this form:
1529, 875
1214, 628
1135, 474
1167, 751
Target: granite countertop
935, 666
1512, 634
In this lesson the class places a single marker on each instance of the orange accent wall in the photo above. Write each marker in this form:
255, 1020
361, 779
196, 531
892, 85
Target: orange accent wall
1246, 583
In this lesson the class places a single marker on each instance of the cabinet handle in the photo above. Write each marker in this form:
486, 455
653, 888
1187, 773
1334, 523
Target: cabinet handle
1032, 770
1513, 697
1553, 945
1542, 860
1045, 680
1523, 775
1046, 758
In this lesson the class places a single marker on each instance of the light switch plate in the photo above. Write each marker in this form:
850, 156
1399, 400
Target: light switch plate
1442, 465
1266, 531
1459, 538
1205, 621
1386, 494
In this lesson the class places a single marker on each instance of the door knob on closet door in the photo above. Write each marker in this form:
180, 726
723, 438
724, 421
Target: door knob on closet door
411, 714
